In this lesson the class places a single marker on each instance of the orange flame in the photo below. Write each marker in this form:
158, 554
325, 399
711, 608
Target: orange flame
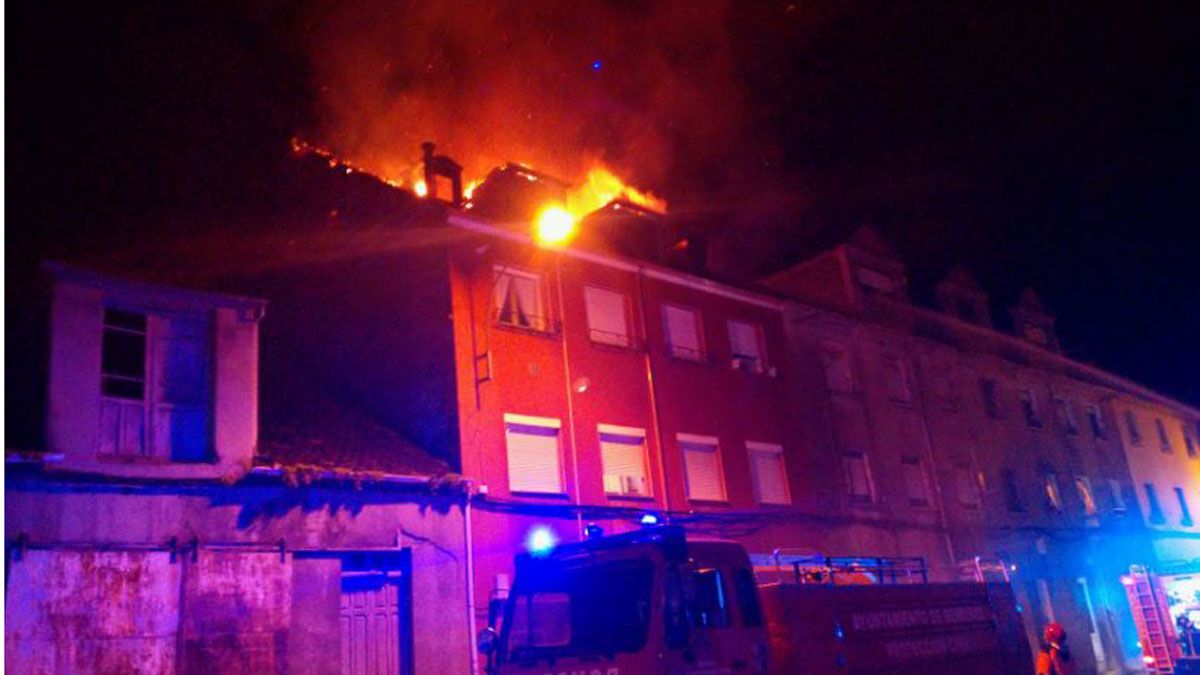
598, 188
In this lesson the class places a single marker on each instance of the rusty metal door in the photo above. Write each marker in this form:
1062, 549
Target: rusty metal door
371, 619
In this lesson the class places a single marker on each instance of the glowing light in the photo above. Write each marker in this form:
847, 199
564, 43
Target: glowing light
541, 540
554, 226
1148, 660
649, 519
593, 531
1126, 581
596, 65
420, 188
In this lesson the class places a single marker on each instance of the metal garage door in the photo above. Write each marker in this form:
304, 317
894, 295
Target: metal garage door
371, 618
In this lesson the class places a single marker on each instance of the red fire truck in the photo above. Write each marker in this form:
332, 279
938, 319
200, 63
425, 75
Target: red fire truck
654, 601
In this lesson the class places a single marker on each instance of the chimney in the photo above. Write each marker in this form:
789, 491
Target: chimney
441, 165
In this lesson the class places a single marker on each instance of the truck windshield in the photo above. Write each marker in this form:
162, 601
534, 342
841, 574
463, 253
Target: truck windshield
591, 609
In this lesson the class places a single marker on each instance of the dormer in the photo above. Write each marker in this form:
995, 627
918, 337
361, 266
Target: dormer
150, 381
1033, 321
874, 267
959, 296
864, 267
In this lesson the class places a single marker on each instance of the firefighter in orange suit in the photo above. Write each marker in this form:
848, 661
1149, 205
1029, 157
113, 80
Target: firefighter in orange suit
1054, 658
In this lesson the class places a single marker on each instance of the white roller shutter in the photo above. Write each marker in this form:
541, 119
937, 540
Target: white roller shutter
623, 452
702, 464
770, 479
607, 316
683, 333
533, 454
745, 345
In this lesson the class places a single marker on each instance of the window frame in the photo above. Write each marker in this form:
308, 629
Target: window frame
683, 439
626, 432
754, 363
1096, 421
1062, 406
1185, 512
1164, 443
626, 340
1154, 513
843, 356
926, 501
515, 419
904, 373
681, 353
1029, 407
539, 320
856, 498
775, 449
989, 396
1132, 428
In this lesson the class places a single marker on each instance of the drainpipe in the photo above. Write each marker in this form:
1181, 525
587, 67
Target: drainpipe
469, 540
655, 416
562, 318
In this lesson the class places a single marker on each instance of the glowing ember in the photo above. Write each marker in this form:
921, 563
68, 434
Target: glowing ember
420, 188
554, 226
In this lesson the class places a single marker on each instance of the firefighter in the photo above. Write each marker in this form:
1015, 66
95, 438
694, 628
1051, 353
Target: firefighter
1054, 658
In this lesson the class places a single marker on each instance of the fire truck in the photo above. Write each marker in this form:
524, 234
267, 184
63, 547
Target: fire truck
656, 601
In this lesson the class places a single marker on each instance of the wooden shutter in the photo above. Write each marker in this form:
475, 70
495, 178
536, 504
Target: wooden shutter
683, 335
770, 479
181, 392
533, 454
702, 464
607, 316
623, 453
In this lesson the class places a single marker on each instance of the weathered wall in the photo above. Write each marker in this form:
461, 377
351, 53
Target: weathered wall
245, 606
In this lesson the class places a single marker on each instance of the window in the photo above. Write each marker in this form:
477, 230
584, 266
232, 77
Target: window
1084, 487
1096, 421
1188, 441
770, 479
745, 343
1163, 442
1118, 495
1066, 416
987, 394
1036, 334
947, 389
839, 373
1053, 496
1012, 493
1029, 407
747, 597
154, 386
895, 374
709, 606
517, 297
1185, 514
608, 316
533, 454
1135, 434
857, 477
966, 487
702, 466
683, 333
1156, 513
588, 611
623, 453
915, 486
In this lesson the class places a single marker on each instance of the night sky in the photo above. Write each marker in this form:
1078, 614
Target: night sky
1047, 144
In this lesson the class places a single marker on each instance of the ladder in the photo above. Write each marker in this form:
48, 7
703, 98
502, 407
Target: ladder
1156, 631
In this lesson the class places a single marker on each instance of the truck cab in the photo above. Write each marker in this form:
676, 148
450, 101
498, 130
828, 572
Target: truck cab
649, 601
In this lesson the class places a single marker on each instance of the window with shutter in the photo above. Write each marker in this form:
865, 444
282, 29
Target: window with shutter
745, 344
1083, 486
1117, 494
839, 375
857, 476
608, 316
702, 466
683, 333
517, 299
915, 487
1135, 433
533, 454
770, 478
154, 385
1066, 416
623, 454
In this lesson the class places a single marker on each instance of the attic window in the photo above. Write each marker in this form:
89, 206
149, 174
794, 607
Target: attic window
1036, 334
876, 281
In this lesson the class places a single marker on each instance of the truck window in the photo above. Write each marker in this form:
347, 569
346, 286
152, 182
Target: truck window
709, 607
592, 609
675, 610
747, 597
